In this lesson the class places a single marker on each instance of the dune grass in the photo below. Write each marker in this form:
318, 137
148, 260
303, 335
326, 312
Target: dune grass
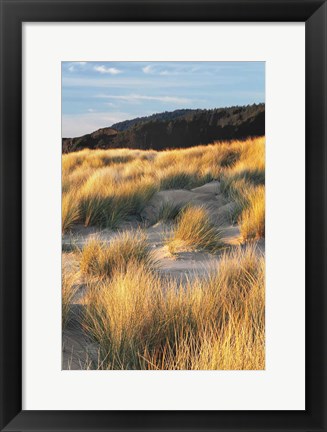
68, 292
194, 230
177, 178
106, 201
108, 186
70, 211
252, 220
138, 318
244, 183
169, 212
143, 322
102, 260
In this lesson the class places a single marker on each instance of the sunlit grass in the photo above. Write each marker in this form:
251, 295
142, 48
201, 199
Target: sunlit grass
110, 185
194, 230
252, 220
143, 322
138, 318
103, 259
244, 183
70, 211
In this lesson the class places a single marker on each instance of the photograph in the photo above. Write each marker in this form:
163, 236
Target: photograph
163, 215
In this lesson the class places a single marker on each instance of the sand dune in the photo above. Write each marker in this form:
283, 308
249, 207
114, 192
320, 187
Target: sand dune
77, 349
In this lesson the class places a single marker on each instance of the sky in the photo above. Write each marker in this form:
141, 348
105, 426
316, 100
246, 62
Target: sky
99, 94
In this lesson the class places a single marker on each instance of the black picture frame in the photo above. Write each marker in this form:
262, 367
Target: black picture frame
13, 14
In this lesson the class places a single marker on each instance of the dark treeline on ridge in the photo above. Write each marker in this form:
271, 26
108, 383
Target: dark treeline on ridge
163, 116
176, 129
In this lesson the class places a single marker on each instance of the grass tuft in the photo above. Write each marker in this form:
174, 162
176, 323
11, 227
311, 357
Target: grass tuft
252, 220
68, 293
169, 212
70, 212
194, 230
176, 179
102, 260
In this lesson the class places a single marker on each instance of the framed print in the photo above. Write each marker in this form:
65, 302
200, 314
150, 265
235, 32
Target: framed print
163, 215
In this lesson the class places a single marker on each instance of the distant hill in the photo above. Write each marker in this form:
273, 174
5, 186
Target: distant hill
176, 129
166, 115
102, 138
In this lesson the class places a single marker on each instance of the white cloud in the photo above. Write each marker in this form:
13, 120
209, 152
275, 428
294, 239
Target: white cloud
162, 70
75, 65
105, 70
136, 97
148, 69
118, 81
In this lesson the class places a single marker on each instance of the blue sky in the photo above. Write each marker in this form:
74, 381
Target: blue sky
98, 94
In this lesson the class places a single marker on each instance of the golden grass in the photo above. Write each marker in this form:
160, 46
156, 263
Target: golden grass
177, 178
102, 260
70, 211
194, 230
244, 183
252, 220
110, 185
68, 292
143, 322
139, 319
106, 202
